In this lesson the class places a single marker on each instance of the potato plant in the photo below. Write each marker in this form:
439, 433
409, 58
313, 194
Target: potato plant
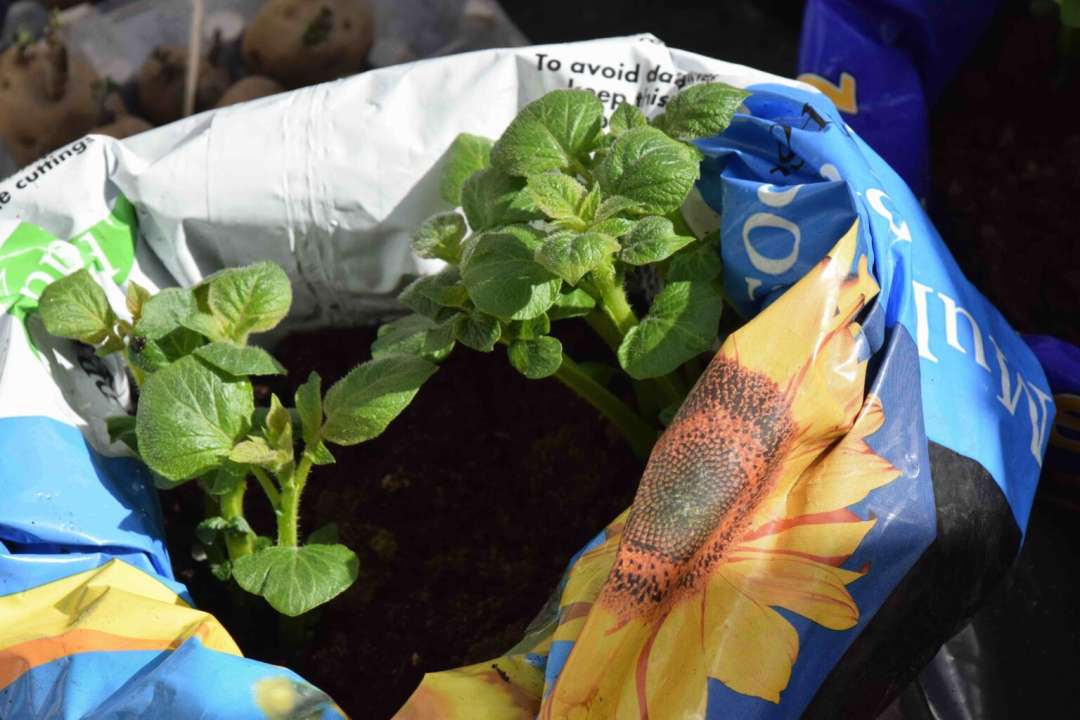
554, 216
197, 420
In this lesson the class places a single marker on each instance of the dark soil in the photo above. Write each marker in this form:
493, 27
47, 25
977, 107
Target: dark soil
1005, 149
464, 514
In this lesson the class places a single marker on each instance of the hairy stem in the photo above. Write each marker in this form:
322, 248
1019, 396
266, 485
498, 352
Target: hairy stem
639, 434
292, 486
232, 507
603, 326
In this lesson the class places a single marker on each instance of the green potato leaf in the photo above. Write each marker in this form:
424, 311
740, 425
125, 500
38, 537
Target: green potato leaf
190, 416
121, 428
702, 111
618, 205
530, 329
165, 313
76, 307
571, 256
152, 355
363, 403
648, 167
468, 154
413, 335
555, 132
652, 239
239, 360
254, 298
308, 401
296, 579
328, 534
477, 331
502, 277
614, 227
279, 429
443, 289
626, 117
440, 237
682, 322
536, 358
491, 199
136, 297
700, 261
575, 303
590, 204
255, 451
224, 479
557, 195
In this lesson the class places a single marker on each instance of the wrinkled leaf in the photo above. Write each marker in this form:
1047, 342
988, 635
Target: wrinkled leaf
614, 227
681, 323
190, 416
165, 313
571, 256
76, 307
702, 111
626, 117
363, 403
590, 204
279, 428
254, 451
648, 167
504, 280
443, 289
237, 360
467, 154
253, 298
491, 199
697, 262
296, 579
653, 239
440, 237
536, 358
477, 331
413, 335
552, 133
557, 195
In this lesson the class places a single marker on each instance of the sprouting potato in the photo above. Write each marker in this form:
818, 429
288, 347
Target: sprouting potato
250, 88
304, 42
47, 97
161, 83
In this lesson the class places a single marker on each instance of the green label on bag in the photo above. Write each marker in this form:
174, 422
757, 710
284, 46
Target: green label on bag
31, 257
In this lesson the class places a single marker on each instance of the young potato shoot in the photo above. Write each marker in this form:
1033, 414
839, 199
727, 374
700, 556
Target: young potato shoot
197, 419
551, 219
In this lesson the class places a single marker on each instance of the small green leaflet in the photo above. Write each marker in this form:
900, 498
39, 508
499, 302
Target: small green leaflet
76, 307
467, 154
614, 227
555, 132
440, 237
328, 534
491, 198
308, 401
652, 239
702, 111
530, 329
477, 330
571, 256
361, 405
121, 428
413, 335
152, 355
237, 360
165, 312
572, 304
618, 205
255, 451
681, 323
136, 297
443, 289
279, 427
190, 416
296, 579
536, 358
224, 479
697, 262
626, 117
558, 196
254, 298
504, 280
648, 167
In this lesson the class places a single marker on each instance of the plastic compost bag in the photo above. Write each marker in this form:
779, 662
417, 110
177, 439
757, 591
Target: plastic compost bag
884, 62
850, 476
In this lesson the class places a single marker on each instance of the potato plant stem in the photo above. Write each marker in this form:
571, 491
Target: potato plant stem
639, 435
292, 486
232, 507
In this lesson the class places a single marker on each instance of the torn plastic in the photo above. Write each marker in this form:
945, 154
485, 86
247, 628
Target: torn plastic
871, 435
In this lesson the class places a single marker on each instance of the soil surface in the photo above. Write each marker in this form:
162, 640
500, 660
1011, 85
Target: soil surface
464, 514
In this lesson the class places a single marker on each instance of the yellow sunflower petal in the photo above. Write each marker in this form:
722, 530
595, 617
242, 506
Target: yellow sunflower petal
813, 590
749, 647
675, 679
597, 681
816, 540
508, 688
